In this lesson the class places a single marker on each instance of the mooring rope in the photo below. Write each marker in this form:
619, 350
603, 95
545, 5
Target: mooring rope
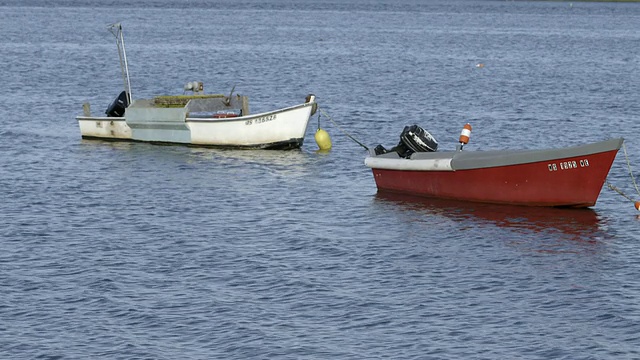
612, 187
336, 125
633, 179
624, 147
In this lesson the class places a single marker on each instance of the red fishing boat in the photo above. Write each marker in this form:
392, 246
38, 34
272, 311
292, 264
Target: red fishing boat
564, 177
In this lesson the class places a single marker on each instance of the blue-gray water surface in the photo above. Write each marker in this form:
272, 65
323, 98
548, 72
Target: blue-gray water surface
138, 251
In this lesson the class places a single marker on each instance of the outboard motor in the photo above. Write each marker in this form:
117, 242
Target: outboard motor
418, 139
117, 107
412, 139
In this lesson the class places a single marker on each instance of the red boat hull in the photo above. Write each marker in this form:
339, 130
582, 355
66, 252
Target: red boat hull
570, 182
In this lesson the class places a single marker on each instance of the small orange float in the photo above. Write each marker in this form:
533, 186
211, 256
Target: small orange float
465, 134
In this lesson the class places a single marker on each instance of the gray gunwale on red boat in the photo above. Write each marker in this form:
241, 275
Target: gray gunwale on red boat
466, 160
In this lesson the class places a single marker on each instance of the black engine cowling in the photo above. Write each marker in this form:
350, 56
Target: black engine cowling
418, 139
412, 139
117, 107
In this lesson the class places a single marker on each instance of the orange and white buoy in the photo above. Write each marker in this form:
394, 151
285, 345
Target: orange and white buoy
637, 205
465, 134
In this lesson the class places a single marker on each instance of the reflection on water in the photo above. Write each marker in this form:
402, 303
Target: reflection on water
276, 157
288, 163
115, 144
546, 223
226, 166
268, 156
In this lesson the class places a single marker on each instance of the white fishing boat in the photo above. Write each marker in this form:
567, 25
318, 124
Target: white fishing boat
196, 118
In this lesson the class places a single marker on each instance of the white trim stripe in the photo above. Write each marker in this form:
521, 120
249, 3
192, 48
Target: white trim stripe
404, 164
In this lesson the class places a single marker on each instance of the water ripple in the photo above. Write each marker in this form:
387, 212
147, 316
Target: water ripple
129, 250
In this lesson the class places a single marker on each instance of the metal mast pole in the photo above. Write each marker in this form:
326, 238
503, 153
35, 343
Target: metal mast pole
124, 66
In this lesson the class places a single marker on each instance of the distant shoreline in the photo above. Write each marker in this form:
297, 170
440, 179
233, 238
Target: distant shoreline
576, 1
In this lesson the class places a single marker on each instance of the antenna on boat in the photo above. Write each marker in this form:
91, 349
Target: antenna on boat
116, 30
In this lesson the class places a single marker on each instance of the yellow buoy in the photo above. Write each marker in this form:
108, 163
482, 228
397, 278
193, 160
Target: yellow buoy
323, 139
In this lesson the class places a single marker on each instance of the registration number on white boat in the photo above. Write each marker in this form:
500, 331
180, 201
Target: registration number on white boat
260, 120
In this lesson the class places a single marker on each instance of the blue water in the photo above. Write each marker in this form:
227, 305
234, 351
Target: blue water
130, 250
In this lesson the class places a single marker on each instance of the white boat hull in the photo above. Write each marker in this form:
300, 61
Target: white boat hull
278, 129
104, 128
253, 130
